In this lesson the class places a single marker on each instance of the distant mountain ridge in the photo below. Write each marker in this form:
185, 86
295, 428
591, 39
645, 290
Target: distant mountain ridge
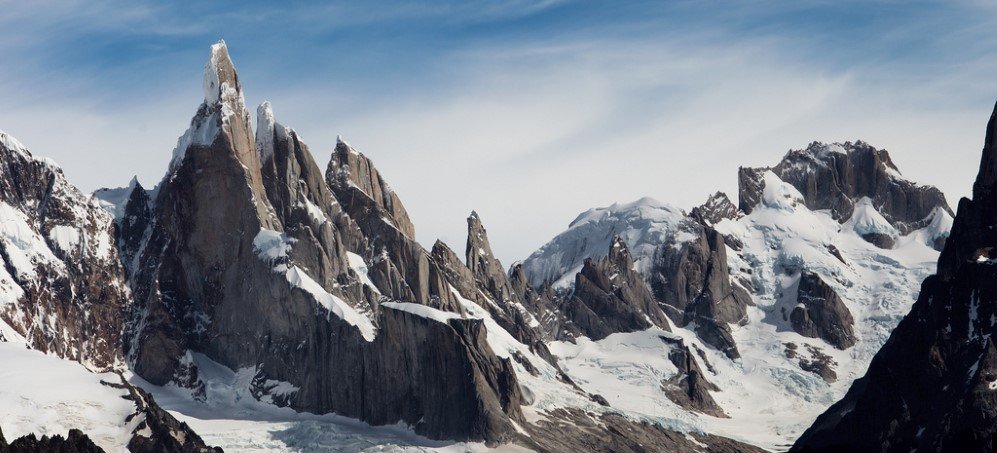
253, 286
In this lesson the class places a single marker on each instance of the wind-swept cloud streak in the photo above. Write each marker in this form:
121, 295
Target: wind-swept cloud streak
528, 112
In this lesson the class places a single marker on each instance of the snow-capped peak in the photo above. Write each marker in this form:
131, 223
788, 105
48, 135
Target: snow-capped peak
941, 221
114, 200
221, 85
223, 100
778, 194
12, 144
645, 207
643, 225
265, 124
213, 80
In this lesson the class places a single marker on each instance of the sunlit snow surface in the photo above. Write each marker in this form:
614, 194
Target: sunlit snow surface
769, 399
46, 395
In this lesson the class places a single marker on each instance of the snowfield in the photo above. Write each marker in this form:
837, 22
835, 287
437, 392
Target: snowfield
46, 395
769, 398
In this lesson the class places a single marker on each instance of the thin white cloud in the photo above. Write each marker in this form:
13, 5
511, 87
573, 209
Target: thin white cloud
530, 132
534, 136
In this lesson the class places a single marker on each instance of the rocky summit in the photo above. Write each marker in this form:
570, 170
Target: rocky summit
255, 298
931, 387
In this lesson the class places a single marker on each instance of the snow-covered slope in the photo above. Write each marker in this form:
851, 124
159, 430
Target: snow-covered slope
643, 224
783, 379
61, 284
46, 395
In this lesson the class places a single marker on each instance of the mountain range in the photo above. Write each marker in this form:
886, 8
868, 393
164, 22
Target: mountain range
252, 300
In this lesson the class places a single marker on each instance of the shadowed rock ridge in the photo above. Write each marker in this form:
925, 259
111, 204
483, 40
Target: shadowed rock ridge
837, 176
75, 442
933, 385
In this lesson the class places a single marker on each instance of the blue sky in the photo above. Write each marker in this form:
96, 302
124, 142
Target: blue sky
527, 111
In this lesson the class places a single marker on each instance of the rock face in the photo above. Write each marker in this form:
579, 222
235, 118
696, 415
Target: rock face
76, 442
254, 261
682, 260
61, 282
689, 387
352, 166
508, 308
692, 280
400, 267
836, 176
718, 207
610, 296
932, 385
820, 313
133, 226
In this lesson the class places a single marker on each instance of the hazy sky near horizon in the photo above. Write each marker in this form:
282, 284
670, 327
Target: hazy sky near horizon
529, 112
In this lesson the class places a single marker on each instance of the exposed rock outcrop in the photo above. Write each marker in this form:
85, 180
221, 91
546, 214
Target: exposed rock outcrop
693, 282
75, 442
610, 296
820, 313
321, 235
350, 165
689, 387
836, 176
717, 208
508, 308
575, 430
158, 431
545, 303
932, 385
133, 226
400, 267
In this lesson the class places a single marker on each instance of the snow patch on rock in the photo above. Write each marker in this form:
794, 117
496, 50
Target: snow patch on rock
866, 219
422, 311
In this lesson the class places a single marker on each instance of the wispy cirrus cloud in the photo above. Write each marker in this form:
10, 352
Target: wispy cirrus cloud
527, 111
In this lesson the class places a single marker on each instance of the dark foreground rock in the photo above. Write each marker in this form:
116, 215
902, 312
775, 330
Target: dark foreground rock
158, 431
933, 385
75, 442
